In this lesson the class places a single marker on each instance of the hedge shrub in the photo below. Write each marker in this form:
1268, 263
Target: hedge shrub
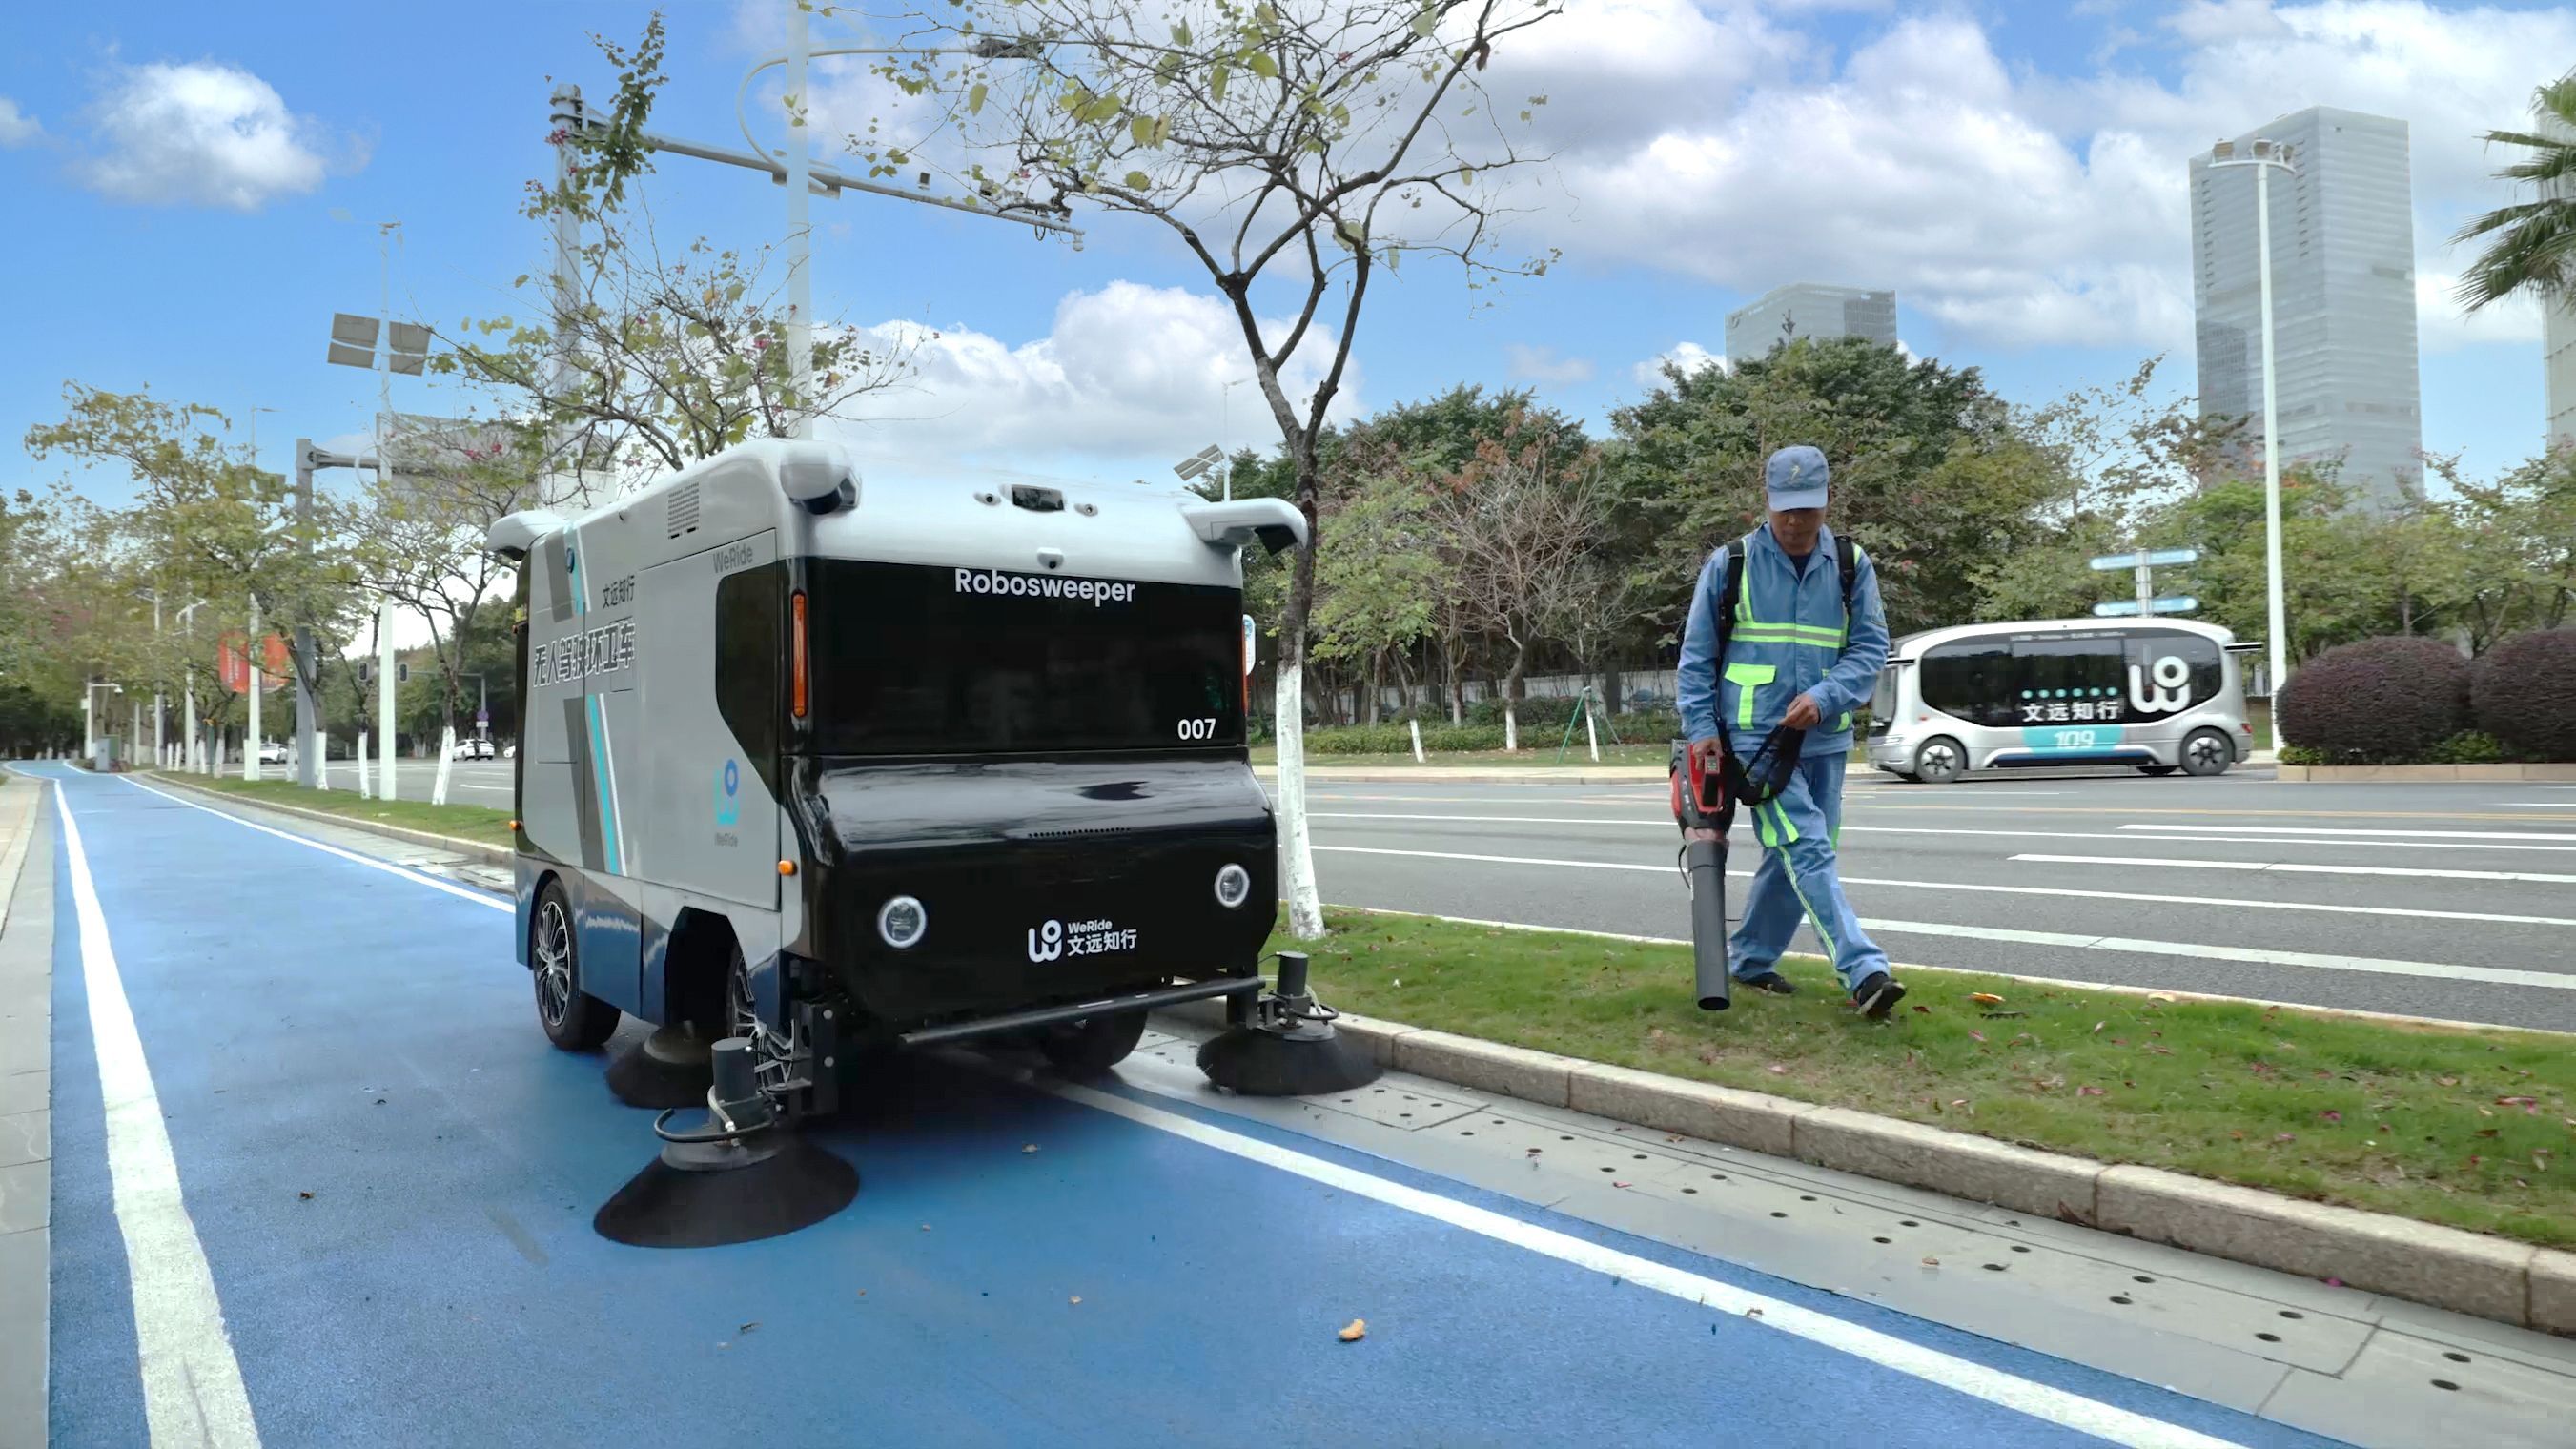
2378, 701
2524, 693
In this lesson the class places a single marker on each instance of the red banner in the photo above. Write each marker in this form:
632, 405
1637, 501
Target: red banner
233, 663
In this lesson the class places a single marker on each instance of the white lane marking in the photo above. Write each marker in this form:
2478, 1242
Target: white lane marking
1993, 1385
2166, 832
2134, 946
480, 898
2411, 835
192, 1384
2535, 805
2296, 867
2115, 987
1983, 888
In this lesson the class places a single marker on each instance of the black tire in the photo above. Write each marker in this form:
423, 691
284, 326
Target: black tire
1091, 1046
2158, 769
571, 1018
2207, 753
1940, 760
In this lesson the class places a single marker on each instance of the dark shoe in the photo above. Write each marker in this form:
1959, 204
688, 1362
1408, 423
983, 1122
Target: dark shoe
1878, 996
1771, 981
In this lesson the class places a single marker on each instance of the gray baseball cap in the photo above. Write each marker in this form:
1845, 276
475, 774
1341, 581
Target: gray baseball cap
1796, 478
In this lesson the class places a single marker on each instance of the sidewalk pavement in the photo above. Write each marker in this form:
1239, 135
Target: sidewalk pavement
26, 1095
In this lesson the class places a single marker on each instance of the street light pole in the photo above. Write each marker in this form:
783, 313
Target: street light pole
2265, 156
800, 276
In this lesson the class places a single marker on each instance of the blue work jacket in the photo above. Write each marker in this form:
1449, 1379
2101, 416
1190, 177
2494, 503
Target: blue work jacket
1789, 638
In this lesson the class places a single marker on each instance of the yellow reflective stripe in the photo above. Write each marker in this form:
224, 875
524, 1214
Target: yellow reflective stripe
1746, 678
1787, 634
1817, 921
1762, 830
1846, 724
1781, 825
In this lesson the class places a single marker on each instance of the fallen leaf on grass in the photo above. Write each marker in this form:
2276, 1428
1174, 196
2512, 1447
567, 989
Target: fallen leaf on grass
1357, 1330
2448, 1081
2517, 1101
2285, 1137
2333, 1116
2097, 1027
1919, 1006
2487, 1131
1777, 1070
2088, 1091
2160, 996
1985, 998
1979, 1035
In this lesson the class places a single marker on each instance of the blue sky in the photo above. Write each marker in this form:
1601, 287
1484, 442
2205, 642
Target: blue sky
2015, 172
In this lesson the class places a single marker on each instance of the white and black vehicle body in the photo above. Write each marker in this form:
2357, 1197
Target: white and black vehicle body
2161, 696
832, 767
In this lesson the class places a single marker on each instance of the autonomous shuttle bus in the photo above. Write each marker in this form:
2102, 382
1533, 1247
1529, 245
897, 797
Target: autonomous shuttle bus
828, 765
2164, 696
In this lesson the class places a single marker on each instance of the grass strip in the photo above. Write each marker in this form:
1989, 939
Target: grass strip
478, 823
2468, 1128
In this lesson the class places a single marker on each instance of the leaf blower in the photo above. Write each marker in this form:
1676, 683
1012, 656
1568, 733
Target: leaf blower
1707, 781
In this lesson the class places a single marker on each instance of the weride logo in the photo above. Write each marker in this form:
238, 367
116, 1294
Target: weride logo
1095, 592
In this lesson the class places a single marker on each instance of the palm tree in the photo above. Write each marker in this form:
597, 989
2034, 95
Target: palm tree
2534, 246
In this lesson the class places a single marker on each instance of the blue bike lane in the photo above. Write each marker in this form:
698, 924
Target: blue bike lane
387, 1177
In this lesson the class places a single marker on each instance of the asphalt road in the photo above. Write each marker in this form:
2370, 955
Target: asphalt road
469, 782
327, 1185
2453, 901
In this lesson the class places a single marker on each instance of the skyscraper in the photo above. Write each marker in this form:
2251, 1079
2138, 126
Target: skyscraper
1808, 309
2343, 299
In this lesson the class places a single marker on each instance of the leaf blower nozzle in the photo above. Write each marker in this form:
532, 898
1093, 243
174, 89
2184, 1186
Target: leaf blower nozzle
1701, 801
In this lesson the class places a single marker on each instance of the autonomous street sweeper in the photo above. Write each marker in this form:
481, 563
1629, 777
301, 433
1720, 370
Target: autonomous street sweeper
823, 768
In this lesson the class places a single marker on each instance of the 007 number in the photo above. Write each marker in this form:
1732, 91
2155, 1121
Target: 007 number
1198, 729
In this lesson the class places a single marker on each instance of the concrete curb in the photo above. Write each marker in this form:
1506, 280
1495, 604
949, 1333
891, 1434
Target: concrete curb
2400, 774
2464, 1272
473, 849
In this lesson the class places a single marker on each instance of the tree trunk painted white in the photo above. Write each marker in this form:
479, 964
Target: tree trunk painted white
1417, 739
446, 749
1511, 724
1296, 850
366, 787
1591, 736
251, 739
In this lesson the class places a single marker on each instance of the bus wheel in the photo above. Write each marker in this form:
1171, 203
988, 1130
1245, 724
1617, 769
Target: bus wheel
1091, 1046
2207, 752
1940, 761
573, 1019
2158, 769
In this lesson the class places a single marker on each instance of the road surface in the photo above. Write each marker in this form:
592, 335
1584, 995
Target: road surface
316, 1179
2453, 901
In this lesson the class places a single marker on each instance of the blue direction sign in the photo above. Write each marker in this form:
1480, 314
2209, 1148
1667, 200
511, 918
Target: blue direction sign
2168, 604
2147, 558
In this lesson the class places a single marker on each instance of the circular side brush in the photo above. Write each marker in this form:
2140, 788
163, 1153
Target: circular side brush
1289, 1048
667, 1069
740, 1178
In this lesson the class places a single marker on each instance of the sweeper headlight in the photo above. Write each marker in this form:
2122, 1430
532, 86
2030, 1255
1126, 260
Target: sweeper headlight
1233, 886
902, 922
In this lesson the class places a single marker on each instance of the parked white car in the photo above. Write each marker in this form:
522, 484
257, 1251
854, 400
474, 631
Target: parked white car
272, 752
474, 749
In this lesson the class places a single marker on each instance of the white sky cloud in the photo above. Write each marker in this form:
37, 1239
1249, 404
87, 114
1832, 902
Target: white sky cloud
202, 133
2018, 208
1128, 380
1690, 357
1530, 363
16, 127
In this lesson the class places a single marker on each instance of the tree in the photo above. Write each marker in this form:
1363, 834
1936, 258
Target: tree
1925, 471
658, 357
2522, 544
2533, 247
208, 521
1521, 530
423, 535
1376, 591
1322, 140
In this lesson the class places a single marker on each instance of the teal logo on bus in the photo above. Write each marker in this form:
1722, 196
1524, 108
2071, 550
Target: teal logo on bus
2075, 740
729, 793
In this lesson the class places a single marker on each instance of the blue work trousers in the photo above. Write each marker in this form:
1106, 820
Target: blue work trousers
1798, 830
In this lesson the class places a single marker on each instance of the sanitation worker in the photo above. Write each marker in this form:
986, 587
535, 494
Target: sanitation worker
1798, 652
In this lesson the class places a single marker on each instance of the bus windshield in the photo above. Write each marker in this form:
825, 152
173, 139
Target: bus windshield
912, 659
